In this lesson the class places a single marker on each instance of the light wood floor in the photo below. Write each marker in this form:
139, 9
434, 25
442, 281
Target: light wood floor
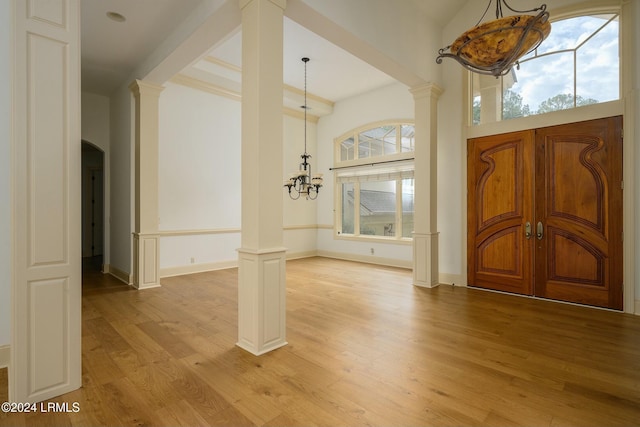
365, 348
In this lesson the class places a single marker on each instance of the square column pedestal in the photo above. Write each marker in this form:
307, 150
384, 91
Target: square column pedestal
146, 261
425, 259
261, 300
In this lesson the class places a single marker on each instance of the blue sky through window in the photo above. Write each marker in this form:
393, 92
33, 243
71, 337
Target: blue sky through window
586, 46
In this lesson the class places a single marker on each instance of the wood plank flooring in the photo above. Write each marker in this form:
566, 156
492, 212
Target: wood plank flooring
366, 348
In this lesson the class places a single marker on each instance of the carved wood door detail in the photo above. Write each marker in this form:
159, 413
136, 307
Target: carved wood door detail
579, 202
500, 203
545, 212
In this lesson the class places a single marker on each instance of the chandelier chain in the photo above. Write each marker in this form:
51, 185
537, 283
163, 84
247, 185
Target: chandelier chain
499, 13
536, 9
305, 104
484, 14
494, 48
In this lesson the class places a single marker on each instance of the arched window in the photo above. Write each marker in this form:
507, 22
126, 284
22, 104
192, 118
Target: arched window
373, 167
578, 64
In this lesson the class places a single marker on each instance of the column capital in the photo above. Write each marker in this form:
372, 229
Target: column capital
139, 87
425, 90
280, 3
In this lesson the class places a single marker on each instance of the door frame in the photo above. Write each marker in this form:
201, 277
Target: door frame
628, 110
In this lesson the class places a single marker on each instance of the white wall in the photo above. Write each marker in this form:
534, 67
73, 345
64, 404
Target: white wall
5, 171
452, 182
95, 120
199, 177
632, 38
392, 102
199, 182
121, 183
404, 40
199, 160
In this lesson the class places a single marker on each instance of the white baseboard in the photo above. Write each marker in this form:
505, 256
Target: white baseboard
390, 262
118, 274
221, 265
5, 355
451, 279
444, 278
300, 255
197, 268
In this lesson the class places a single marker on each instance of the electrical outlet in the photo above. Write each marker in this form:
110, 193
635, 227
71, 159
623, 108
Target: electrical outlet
193, 260
372, 251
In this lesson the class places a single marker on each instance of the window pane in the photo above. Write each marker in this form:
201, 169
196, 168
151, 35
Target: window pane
565, 34
407, 207
390, 139
539, 92
513, 106
368, 145
377, 142
348, 213
378, 208
597, 67
407, 142
347, 151
475, 113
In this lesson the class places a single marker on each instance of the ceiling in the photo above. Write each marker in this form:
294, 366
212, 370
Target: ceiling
112, 50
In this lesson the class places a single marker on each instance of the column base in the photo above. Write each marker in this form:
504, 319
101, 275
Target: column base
261, 300
146, 261
425, 260
248, 347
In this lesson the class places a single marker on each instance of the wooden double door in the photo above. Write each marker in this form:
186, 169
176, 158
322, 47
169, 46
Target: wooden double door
545, 212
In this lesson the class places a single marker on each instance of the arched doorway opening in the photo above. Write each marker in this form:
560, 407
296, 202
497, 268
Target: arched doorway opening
93, 206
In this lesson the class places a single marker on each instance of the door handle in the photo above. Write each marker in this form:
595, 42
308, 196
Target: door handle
527, 230
540, 231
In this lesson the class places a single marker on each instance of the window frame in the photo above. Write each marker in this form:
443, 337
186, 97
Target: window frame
386, 167
555, 17
354, 133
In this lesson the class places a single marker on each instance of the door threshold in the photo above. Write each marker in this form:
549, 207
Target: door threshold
545, 299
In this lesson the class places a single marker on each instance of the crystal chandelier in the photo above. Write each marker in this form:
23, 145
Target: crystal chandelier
494, 47
301, 183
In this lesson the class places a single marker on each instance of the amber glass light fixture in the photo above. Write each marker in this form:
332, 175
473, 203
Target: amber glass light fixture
494, 47
301, 183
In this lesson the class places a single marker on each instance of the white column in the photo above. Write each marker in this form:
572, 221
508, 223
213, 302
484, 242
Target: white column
261, 259
146, 242
46, 262
425, 219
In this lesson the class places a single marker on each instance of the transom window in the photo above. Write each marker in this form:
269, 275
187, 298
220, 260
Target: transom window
578, 64
374, 181
377, 141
